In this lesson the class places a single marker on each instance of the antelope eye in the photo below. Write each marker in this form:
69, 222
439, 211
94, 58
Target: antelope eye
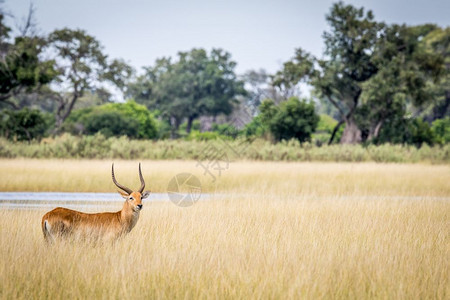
131, 198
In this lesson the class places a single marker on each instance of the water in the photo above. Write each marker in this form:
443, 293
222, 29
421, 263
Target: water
113, 201
79, 201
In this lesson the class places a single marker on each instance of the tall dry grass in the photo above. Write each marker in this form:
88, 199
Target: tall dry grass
278, 231
264, 178
241, 248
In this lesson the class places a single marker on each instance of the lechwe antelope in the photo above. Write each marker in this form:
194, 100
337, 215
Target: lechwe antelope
63, 222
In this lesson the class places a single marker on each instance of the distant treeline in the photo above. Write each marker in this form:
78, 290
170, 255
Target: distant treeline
376, 83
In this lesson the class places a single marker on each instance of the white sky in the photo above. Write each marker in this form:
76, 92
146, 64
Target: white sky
258, 34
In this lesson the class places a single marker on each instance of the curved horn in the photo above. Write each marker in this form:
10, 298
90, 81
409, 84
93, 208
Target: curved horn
119, 185
141, 189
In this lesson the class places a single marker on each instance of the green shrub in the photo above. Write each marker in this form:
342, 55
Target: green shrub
98, 146
405, 131
255, 128
111, 123
291, 119
225, 130
131, 119
421, 133
148, 127
441, 130
23, 125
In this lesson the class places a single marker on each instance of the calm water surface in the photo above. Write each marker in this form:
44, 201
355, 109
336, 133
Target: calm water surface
113, 201
88, 201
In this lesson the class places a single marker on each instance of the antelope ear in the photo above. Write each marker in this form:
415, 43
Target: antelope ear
123, 194
145, 194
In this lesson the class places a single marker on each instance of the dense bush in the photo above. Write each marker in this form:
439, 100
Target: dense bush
255, 128
23, 125
148, 127
441, 130
111, 123
225, 130
291, 119
420, 133
114, 119
406, 131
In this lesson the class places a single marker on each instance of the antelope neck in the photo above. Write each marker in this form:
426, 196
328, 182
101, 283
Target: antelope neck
128, 216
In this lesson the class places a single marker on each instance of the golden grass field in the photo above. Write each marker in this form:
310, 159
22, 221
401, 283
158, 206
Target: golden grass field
282, 230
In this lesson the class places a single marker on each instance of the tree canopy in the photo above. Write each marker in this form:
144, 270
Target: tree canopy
371, 71
195, 85
376, 83
21, 67
82, 65
292, 119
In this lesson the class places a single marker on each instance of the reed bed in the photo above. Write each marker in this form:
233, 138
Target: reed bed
99, 147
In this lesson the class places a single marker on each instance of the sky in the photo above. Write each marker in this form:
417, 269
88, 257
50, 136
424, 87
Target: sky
258, 34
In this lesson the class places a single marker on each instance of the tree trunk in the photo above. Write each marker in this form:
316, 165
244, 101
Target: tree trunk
351, 134
189, 124
58, 115
59, 120
333, 134
62, 113
374, 131
175, 125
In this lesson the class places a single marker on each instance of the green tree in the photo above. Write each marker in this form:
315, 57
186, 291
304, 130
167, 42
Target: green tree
406, 76
22, 68
195, 85
438, 42
291, 119
82, 67
348, 47
371, 71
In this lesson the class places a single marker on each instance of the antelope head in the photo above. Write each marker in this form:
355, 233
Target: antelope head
133, 199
